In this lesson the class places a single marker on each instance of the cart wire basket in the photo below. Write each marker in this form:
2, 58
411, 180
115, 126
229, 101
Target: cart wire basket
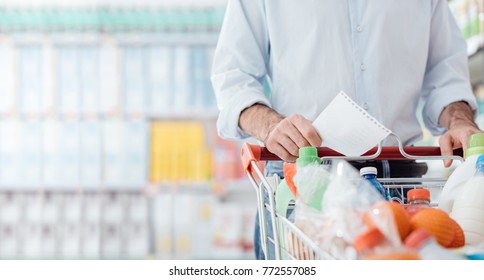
280, 238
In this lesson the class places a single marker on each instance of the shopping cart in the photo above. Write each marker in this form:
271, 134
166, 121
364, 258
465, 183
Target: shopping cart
290, 242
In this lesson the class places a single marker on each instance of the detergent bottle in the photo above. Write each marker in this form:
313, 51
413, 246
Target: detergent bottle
287, 191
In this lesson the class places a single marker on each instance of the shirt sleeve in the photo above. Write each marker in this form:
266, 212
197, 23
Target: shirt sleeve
447, 74
239, 65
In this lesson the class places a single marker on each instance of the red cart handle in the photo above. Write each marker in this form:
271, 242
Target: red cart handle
251, 152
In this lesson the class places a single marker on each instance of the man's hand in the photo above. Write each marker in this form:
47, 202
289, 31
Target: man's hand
458, 119
282, 136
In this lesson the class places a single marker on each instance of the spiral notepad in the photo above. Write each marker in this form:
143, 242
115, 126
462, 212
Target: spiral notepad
347, 128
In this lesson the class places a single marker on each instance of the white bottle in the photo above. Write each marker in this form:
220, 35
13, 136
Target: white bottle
468, 207
462, 173
428, 249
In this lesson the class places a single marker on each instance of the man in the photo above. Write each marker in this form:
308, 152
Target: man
385, 54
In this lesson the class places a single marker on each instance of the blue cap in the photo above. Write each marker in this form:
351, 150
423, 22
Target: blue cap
480, 163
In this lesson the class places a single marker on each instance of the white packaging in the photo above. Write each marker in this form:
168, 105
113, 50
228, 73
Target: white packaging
31, 238
33, 209
91, 242
161, 77
109, 77
50, 241
198, 76
48, 77
68, 82
70, 154
114, 153
70, 244
209, 96
51, 209
31, 158
90, 156
134, 83
203, 227
181, 89
136, 154
249, 214
92, 208
7, 78
11, 210
10, 243
11, 152
72, 209
163, 219
228, 223
113, 210
51, 157
30, 79
137, 241
138, 209
111, 242
183, 222
90, 81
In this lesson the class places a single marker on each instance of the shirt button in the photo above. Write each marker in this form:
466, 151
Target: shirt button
365, 106
363, 67
359, 28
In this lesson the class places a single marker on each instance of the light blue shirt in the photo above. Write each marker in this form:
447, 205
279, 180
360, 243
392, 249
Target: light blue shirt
385, 54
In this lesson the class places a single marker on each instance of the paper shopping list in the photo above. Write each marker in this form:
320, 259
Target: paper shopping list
347, 128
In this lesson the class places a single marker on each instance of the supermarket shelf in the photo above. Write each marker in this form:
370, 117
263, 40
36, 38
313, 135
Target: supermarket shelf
229, 186
171, 38
221, 188
196, 114
110, 20
203, 114
122, 38
70, 189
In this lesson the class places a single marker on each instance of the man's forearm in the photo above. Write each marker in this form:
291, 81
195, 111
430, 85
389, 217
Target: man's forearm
258, 120
457, 113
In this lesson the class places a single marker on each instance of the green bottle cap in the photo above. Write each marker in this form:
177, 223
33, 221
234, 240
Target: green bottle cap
475, 145
308, 155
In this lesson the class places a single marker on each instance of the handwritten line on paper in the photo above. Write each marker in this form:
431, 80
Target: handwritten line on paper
347, 128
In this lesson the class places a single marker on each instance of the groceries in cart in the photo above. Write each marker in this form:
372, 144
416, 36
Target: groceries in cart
468, 207
311, 189
463, 196
370, 173
324, 208
464, 171
350, 217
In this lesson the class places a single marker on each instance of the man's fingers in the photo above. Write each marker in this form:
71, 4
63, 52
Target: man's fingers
296, 135
289, 135
307, 130
289, 145
446, 148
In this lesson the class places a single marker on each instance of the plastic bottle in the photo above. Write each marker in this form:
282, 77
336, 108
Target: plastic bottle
284, 194
468, 207
373, 245
370, 174
418, 199
475, 148
428, 248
